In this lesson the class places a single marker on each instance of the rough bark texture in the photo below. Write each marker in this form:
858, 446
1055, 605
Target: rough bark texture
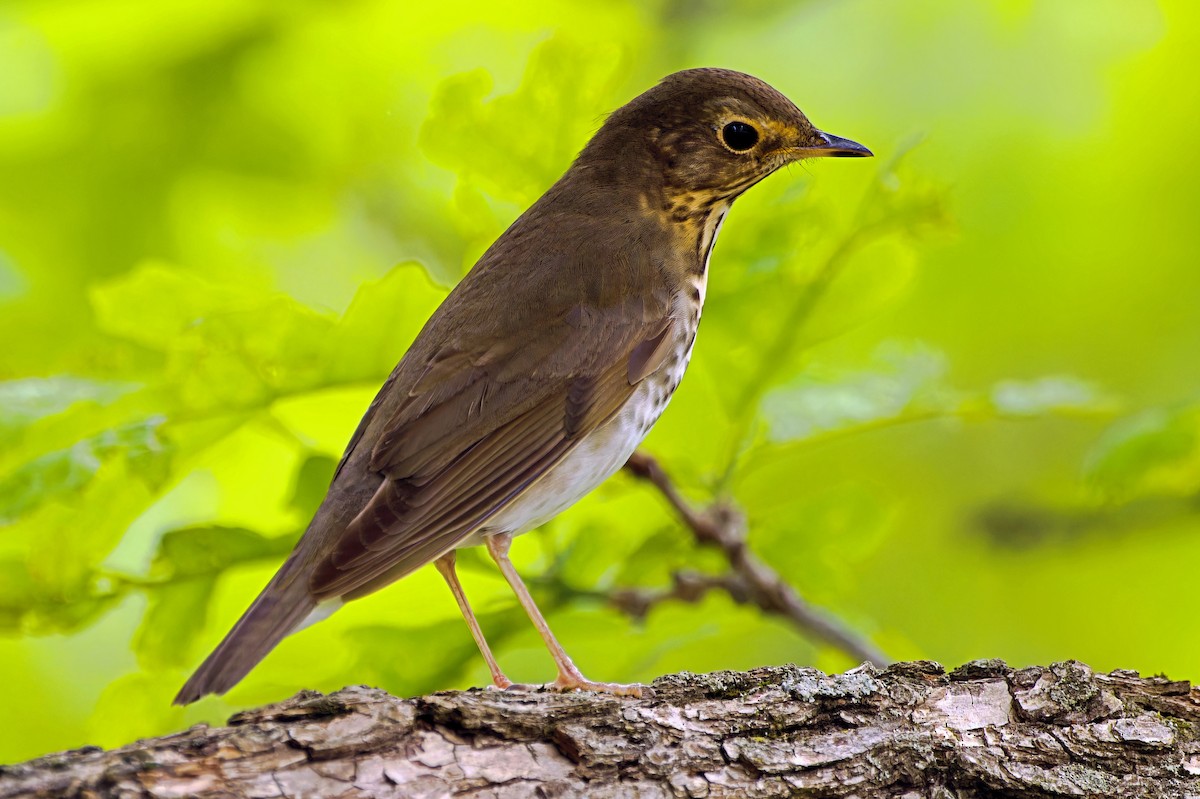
911, 730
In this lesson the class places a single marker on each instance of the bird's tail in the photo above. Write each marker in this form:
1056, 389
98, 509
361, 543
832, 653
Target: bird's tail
280, 609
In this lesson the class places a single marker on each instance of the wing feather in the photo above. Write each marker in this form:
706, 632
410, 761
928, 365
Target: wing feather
449, 467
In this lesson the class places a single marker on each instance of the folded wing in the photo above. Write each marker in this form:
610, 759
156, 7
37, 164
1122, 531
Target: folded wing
482, 424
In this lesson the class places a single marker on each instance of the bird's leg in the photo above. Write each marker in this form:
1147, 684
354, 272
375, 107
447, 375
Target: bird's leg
445, 565
569, 677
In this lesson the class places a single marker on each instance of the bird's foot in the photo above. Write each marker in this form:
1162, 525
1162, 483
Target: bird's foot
516, 687
577, 682
565, 684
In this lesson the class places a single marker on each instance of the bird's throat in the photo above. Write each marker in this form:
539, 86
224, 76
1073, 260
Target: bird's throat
696, 236
706, 236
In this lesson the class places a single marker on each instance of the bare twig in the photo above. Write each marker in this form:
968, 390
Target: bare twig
686, 586
749, 581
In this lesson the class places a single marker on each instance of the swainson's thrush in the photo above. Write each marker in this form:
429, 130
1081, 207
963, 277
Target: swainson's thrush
543, 369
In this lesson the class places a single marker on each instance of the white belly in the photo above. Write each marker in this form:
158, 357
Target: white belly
596, 458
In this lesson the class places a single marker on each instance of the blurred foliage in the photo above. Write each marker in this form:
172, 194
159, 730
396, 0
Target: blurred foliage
954, 390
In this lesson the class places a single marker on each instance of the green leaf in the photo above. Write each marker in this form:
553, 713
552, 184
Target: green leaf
833, 274
63, 616
227, 348
312, 482
230, 349
1156, 452
29, 606
517, 144
903, 201
654, 559
206, 551
156, 302
23, 402
399, 659
1047, 395
174, 617
381, 322
907, 382
67, 539
906, 379
246, 358
18, 593
59, 475
184, 573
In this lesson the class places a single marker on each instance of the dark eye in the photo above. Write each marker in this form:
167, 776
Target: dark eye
740, 136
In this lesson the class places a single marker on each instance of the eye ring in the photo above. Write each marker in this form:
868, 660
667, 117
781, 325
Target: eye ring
739, 136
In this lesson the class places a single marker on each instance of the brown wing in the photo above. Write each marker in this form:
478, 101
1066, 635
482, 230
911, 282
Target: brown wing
479, 427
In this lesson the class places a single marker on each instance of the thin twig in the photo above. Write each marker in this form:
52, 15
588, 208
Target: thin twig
749, 580
686, 586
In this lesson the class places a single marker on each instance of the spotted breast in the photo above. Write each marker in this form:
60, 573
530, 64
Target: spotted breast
602, 454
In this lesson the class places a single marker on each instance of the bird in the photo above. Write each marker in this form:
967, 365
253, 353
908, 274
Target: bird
542, 370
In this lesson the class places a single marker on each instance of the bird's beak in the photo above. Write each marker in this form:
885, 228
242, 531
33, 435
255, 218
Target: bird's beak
834, 147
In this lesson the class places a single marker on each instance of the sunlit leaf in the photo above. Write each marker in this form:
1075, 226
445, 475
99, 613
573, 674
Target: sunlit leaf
68, 538
62, 474
157, 302
906, 380
903, 200
203, 551
23, 402
1047, 395
380, 323
817, 276
246, 358
30, 606
185, 569
174, 617
516, 145
18, 593
908, 383
312, 481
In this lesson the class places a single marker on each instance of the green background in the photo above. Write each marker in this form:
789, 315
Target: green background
955, 389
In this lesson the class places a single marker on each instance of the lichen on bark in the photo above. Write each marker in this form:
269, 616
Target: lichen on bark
910, 730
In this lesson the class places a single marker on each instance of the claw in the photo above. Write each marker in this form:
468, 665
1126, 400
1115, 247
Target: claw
578, 683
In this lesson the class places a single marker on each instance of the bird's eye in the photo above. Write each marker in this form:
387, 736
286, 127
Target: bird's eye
739, 136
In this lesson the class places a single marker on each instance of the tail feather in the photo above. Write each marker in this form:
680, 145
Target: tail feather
280, 609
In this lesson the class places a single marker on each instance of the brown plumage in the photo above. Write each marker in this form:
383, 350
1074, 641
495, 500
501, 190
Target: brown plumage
542, 370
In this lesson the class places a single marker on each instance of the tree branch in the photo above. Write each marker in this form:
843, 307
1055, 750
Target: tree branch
910, 731
749, 581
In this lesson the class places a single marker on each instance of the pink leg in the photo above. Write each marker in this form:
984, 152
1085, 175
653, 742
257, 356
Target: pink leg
445, 565
569, 678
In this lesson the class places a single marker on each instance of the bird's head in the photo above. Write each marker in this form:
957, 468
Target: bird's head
703, 136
